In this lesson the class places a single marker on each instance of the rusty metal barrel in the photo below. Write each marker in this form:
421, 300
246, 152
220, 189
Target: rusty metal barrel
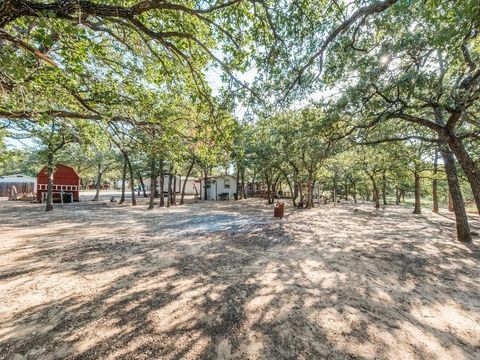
279, 210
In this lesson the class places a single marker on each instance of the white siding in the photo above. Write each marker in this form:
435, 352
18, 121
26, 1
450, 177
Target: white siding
189, 189
119, 184
218, 187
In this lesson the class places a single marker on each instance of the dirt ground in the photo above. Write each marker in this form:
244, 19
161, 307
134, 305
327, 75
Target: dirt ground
225, 280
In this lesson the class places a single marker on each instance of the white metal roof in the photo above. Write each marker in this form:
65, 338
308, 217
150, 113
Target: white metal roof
216, 177
17, 178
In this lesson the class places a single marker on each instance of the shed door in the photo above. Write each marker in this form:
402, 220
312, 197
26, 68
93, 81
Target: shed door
211, 192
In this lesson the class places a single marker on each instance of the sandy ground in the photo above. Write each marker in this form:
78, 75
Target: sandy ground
226, 281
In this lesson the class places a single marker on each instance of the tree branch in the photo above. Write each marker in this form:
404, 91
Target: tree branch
363, 12
53, 113
11, 10
395, 139
416, 120
23, 45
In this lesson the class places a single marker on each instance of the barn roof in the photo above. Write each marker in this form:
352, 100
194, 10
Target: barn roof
63, 175
44, 169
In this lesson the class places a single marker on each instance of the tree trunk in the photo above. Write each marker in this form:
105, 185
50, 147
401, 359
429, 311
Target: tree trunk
334, 196
384, 188
269, 188
162, 184
124, 180
346, 189
185, 182
318, 193
244, 193
376, 196
132, 180
169, 189
461, 220
468, 165
274, 189
254, 187
456, 197
417, 209
174, 190
450, 201
301, 196
237, 195
50, 170
376, 192
296, 193
435, 184
355, 192
153, 182
142, 184
205, 184
295, 187
97, 184
310, 189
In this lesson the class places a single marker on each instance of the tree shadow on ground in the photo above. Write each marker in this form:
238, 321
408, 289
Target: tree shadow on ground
337, 283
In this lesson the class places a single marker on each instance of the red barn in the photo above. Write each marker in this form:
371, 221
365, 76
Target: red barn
65, 180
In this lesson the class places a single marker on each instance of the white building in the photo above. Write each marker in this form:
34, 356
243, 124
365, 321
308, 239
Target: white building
118, 184
192, 185
190, 188
23, 183
180, 180
219, 187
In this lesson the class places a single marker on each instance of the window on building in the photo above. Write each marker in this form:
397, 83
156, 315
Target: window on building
226, 184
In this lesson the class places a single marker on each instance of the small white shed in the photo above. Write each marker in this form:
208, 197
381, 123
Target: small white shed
220, 187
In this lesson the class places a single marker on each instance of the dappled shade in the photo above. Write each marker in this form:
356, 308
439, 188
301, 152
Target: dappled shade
222, 280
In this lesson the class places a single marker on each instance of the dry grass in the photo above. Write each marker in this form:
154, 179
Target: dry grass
225, 280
